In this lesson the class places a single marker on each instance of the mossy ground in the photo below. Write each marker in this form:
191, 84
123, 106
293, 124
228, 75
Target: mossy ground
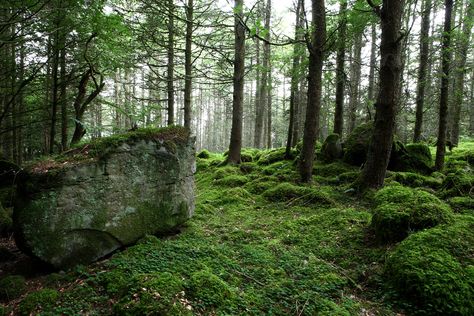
262, 243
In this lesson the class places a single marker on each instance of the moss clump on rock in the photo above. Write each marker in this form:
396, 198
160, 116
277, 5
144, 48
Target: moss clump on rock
274, 155
412, 179
401, 211
38, 301
462, 204
259, 186
12, 287
332, 148
204, 154
286, 192
460, 183
209, 289
433, 269
413, 158
357, 144
332, 170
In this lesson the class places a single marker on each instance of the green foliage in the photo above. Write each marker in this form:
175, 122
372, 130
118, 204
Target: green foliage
433, 269
209, 290
37, 301
287, 192
11, 287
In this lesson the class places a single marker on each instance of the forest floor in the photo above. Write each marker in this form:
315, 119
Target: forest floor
259, 243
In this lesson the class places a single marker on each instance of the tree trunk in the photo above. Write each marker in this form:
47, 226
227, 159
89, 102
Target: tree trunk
290, 141
443, 102
62, 95
316, 57
238, 81
378, 155
268, 73
55, 87
424, 51
340, 75
461, 59
355, 81
188, 65
373, 64
170, 70
471, 111
258, 114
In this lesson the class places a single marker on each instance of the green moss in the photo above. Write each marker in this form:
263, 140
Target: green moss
462, 204
458, 184
286, 192
38, 301
414, 179
225, 171
432, 269
332, 148
278, 168
12, 287
332, 170
204, 154
274, 155
248, 167
396, 193
357, 144
258, 186
232, 180
6, 222
209, 289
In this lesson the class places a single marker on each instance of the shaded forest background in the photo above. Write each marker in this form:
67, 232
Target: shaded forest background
75, 68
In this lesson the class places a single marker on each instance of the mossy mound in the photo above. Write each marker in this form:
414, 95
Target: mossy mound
357, 144
332, 170
412, 157
259, 186
414, 180
462, 204
332, 148
433, 269
225, 171
35, 302
209, 289
233, 180
401, 211
460, 183
12, 287
287, 192
278, 168
247, 154
274, 155
204, 154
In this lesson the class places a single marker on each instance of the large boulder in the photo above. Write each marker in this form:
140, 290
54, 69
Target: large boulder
412, 157
332, 148
105, 195
357, 144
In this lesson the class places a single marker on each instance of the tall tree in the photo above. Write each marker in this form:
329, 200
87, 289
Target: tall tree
355, 81
424, 51
340, 74
188, 64
238, 82
170, 68
373, 61
378, 155
443, 100
316, 58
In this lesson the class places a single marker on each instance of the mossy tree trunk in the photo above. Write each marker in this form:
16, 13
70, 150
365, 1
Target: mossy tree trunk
316, 58
443, 102
380, 146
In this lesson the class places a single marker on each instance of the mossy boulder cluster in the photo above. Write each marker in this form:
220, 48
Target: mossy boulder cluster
108, 195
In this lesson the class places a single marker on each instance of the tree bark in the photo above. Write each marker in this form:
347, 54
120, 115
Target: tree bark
424, 51
188, 64
170, 70
340, 74
354, 98
373, 63
378, 155
267, 64
55, 84
63, 95
443, 102
316, 58
461, 59
238, 82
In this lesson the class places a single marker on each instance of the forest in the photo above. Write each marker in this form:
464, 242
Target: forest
236, 157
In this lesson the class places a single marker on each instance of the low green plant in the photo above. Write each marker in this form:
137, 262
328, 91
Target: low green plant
287, 192
208, 289
38, 301
12, 287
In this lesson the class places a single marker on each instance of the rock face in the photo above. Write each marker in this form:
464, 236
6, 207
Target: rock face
140, 183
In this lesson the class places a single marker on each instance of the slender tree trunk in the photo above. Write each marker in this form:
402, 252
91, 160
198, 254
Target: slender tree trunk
340, 74
461, 59
63, 96
355, 82
291, 141
268, 73
238, 80
269, 109
170, 70
378, 155
316, 58
443, 102
471, 108
373, 63
55, 93
258, 115
188, 66
422, 80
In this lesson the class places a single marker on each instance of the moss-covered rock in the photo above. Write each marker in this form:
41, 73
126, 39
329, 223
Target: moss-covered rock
285, 192
414, 180
204, 154
12, 287
274, 155
460, 183
413, 157
401, 211
142, 184
462, 204
232, 180
38, 301
433, 269
209, 289
332, 148
332, 170
357, 144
